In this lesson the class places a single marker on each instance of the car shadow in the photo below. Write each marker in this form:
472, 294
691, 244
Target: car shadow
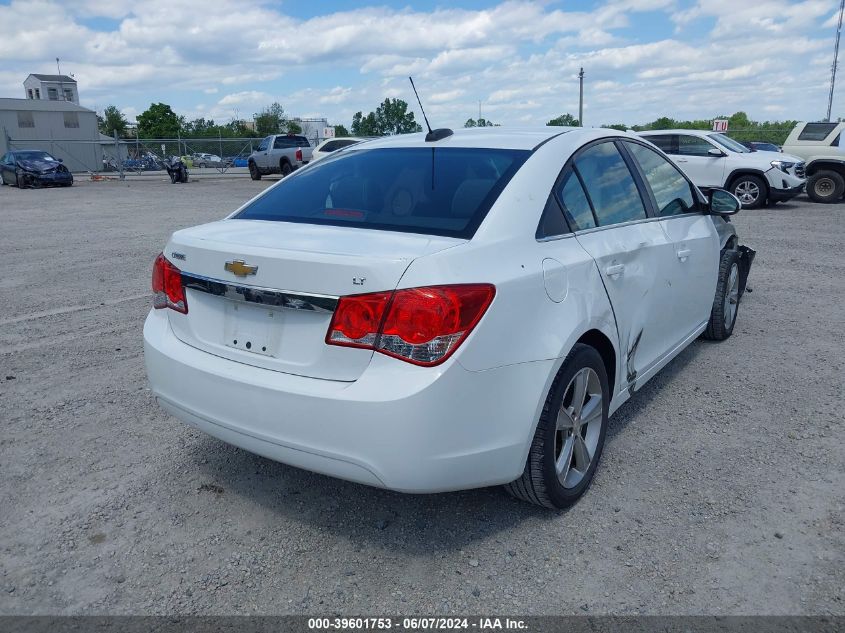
408, 522
643, 396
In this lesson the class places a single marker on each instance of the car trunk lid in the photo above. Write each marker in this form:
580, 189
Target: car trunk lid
262, 293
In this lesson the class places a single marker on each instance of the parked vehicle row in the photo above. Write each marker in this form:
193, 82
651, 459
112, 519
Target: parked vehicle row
445, 311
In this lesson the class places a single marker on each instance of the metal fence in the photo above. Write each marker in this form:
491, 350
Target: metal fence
140, 155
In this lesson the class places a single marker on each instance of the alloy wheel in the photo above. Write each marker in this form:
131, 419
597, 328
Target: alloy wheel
747, 192
578, 427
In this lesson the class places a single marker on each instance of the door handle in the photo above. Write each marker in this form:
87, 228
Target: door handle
681, 160
684, 253
614, 269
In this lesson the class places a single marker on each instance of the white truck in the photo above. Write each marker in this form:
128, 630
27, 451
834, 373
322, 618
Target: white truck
279, 154
821, 146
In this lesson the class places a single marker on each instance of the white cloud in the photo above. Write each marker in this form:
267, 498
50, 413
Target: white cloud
248, 96
520, 58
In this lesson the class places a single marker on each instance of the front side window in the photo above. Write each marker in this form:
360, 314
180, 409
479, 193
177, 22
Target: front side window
728, 143
264, 144
574, 201
610, 185
816, 131
693, 146
330, 146
434, 191
671, 190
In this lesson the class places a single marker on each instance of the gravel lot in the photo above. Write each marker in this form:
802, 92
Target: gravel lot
721, 489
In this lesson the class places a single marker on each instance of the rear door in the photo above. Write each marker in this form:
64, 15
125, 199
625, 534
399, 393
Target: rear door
629, 248
693, 263
694, 158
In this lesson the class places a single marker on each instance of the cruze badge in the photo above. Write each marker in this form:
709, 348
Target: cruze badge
240, 268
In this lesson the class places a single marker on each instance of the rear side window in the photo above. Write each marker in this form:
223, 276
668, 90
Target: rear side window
816, 131
330, 146
610, 185
282, 142
436, 191
667, 142
672, 192
575, 203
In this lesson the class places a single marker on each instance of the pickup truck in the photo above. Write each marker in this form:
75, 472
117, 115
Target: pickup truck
821, 146
279, 154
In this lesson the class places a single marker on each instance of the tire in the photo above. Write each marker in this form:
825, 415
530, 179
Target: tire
253, 171
751, 191
285, 168
825, 186
555, 443
19, 181
726, 302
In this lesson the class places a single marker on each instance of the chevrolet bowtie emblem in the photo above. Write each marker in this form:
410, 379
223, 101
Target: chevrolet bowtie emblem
240, 268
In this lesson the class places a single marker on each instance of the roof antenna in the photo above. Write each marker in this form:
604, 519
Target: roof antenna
433, 135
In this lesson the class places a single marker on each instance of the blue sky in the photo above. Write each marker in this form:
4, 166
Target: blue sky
642, 58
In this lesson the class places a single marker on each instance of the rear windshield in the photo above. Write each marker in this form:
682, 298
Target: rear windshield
435, 191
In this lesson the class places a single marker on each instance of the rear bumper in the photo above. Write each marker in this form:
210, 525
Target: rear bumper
398, 426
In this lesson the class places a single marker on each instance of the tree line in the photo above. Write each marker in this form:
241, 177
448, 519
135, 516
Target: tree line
392, 116
740, 126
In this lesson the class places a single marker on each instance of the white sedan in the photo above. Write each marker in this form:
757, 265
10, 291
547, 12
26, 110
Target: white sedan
331, 145
430, 315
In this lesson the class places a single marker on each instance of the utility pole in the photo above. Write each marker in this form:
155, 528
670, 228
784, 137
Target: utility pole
835, 61
61, 84
581, 96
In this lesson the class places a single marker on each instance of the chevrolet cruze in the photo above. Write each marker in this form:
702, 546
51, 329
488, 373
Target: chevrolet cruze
444, 311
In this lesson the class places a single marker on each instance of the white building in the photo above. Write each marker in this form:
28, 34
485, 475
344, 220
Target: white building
51, 88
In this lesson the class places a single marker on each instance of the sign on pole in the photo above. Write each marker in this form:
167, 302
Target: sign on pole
720, 125
328, 132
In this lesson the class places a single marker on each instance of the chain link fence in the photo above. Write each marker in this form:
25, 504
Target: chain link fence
143, 155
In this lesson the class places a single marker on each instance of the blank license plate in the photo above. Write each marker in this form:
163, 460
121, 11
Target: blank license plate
253, 329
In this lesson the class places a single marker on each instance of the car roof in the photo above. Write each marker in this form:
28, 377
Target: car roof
519, 138
678, 131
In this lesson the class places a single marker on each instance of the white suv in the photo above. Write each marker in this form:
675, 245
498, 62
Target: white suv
713, 160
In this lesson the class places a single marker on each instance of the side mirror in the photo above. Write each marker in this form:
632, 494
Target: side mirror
715, 152
723, 203
61, 160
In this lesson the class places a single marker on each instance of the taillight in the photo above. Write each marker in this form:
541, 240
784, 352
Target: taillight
168, 291
423, 326
298, 154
